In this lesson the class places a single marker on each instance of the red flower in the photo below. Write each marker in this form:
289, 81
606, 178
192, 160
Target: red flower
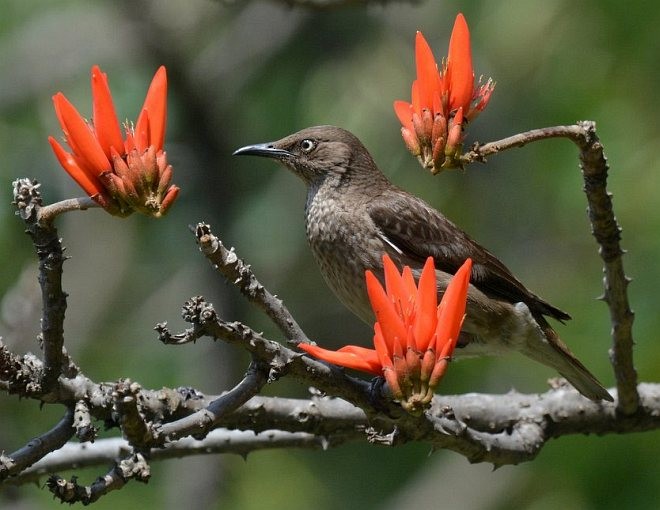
414, 337
121, 174
441, 99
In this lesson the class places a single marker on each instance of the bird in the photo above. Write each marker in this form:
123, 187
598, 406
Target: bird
354, 215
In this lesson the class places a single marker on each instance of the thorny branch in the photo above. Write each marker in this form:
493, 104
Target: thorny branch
501, 429
217, 441
206, 419
324, 422
235, 271
607, 232
50, 252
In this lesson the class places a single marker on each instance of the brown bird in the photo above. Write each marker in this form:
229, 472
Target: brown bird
354, 215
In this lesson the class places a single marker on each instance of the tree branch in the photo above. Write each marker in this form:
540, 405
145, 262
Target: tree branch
133, 467
608, 235
240, 275
37, 448
200, 423
607, 232
50, 252
240, 442
481, 152
48, 213
509, 428
280, 359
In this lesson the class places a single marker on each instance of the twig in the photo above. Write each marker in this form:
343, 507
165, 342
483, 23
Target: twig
480, 152
50, 252
201, 422
239, 274
238, 442
133, 467
280, 359
608, 235
49, 212
37, 448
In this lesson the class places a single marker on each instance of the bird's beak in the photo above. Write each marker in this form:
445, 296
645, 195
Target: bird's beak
262, 149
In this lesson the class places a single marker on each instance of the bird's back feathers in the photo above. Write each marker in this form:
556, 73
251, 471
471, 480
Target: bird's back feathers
420, 231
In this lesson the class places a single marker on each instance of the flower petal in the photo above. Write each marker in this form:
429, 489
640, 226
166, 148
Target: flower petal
154, 111
409, 283
404, 112
394, 287
382, 351
80, 137
459, 66
142, 133
348, 359
426, 304
90, 184
414, 97
455, 133
369, 356
452, 311
104, 115
390, 321
428, 78
169, 198
439, 370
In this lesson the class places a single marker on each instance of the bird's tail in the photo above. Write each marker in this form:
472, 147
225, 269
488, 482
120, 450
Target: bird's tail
551, 351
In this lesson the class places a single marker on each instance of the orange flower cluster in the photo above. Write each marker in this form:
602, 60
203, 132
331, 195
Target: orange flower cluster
122, 175
414, 337
443, 100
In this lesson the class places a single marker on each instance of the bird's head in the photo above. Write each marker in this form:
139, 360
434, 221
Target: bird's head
317, 154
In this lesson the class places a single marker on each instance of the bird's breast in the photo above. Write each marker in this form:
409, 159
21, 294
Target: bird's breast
344, 245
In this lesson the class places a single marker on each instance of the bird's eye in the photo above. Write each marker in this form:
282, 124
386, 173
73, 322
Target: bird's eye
307, 145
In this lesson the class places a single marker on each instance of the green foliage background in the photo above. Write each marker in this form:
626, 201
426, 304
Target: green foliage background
246, 72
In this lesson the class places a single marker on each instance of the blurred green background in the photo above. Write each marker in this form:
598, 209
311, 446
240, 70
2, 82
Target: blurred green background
247, 72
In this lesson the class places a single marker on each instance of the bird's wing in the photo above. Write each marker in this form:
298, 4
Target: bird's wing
419, 231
